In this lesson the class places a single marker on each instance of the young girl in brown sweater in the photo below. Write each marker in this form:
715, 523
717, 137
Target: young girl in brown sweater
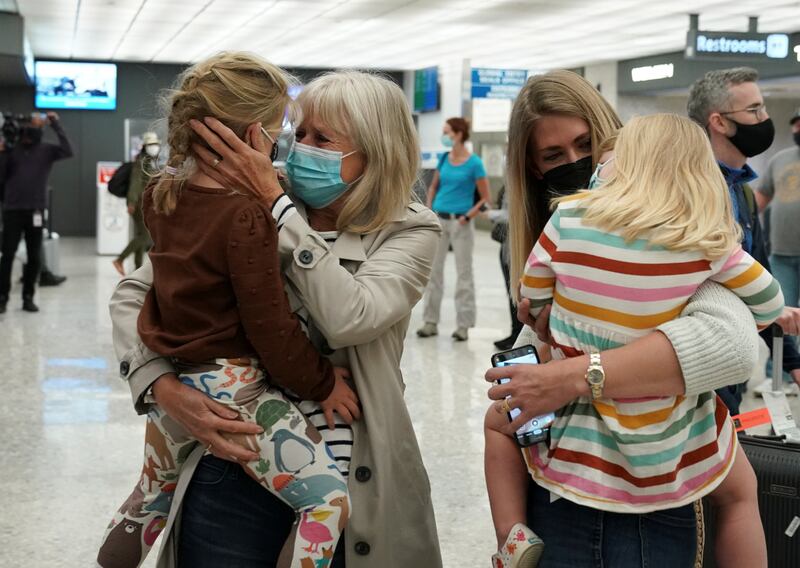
219, 309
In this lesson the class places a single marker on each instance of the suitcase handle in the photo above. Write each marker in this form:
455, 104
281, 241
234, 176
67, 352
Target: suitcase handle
777, 357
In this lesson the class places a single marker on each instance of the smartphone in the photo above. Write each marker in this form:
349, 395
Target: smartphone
536, 429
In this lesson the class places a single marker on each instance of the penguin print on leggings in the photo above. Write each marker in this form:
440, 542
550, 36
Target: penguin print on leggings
292, 453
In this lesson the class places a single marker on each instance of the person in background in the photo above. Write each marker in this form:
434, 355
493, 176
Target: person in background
143, 166
28, 168
451, 195
729, 105
780, 189
499, 217
778, 198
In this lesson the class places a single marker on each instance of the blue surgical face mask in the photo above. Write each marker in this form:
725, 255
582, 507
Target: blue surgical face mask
596, 181
447, 142
315, 174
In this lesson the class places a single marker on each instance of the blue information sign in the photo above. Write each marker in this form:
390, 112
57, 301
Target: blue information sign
497, 83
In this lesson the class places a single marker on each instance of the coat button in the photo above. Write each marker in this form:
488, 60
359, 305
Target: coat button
306, 257
363, 474
362, 548
124, 367
234, 244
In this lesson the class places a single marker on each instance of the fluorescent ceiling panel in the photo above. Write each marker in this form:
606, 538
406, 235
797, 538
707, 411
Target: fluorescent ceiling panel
404, 34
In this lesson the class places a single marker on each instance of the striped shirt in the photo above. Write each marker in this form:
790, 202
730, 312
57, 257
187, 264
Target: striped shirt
340, 439
631, 455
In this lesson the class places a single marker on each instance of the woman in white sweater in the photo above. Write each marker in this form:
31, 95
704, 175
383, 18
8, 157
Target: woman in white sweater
557, 125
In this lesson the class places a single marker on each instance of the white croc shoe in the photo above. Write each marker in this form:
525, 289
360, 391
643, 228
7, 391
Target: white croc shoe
522, 549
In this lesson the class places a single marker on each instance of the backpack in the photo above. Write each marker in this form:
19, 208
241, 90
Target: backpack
476, 196
750, 197
120, 181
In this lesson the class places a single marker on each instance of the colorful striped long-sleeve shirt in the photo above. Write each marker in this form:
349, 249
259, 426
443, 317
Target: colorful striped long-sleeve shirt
631, 455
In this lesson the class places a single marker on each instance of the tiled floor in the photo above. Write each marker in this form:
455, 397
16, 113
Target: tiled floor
71, 443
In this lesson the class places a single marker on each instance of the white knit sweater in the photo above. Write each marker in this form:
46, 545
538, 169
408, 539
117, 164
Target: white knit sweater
715, 340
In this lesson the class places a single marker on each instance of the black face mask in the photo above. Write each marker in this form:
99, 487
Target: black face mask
31, 135
753, 139
567, 179
796, 137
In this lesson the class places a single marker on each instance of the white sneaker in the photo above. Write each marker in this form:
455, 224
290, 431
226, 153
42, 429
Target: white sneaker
461, 334
790, 389
522, 549
428, 330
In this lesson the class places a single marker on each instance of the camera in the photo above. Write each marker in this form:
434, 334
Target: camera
11, 127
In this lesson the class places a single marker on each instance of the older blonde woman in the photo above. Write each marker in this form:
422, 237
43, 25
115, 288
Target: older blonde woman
356, 253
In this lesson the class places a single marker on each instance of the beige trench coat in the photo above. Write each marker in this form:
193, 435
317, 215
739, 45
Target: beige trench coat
359, 293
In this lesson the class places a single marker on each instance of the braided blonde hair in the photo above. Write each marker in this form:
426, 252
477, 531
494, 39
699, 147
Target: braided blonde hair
238, 89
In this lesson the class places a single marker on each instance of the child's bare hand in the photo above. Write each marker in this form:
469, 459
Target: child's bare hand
541, 324
342, 400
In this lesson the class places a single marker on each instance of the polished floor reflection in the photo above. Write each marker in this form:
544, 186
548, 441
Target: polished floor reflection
71, 442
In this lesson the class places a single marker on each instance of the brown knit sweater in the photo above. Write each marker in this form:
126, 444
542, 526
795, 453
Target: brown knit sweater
217, 290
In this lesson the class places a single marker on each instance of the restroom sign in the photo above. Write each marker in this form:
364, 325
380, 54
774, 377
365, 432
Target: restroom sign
745, 46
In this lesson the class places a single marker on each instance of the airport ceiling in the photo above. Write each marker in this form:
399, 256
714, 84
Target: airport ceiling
391, 34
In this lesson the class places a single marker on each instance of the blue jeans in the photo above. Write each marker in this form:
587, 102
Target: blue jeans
229, 520
731, 396
786, 270
577, 536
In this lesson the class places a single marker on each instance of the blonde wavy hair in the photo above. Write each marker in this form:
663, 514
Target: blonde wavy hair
238, 89
373, 113
556, 92
666, 187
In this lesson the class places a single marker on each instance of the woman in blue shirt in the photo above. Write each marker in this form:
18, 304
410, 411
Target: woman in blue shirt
451, 195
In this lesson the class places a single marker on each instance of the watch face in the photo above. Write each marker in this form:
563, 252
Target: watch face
595, 376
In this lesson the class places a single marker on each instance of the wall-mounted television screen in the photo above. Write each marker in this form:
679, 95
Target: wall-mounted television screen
426, 90
76, 85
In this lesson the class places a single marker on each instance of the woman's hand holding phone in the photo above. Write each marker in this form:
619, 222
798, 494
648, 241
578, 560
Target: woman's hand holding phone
537, 390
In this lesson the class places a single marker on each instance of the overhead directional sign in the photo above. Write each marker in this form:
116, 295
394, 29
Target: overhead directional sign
736, 45
497, 83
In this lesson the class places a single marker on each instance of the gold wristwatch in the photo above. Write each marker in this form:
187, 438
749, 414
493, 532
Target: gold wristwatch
595, 375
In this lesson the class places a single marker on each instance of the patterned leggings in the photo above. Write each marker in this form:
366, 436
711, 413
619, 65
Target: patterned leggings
295, 465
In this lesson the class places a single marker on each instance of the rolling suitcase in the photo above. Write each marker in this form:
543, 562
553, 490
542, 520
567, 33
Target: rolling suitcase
777, 467
51, 253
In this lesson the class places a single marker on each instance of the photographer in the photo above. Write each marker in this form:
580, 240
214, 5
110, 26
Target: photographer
28, 166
